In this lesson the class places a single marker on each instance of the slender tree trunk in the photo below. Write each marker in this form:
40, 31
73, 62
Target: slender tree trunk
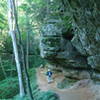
27, 51
11, 21
27, 81
17, 63
28, 86
27, 60
27, 42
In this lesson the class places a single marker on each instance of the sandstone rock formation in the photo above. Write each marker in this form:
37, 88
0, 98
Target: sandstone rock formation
77, 48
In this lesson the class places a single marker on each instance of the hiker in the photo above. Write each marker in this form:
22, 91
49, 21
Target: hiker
49, 76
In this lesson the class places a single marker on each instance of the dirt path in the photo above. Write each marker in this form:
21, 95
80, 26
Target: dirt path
64, 94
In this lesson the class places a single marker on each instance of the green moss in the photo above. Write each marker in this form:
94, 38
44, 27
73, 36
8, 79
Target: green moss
51, 41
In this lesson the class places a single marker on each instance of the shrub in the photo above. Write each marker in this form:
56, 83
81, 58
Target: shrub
8, 88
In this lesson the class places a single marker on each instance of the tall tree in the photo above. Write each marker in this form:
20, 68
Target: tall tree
22, 54
12, 31
27, 40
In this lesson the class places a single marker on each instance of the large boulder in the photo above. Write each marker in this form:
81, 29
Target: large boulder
55, 47
78, 48
86, 27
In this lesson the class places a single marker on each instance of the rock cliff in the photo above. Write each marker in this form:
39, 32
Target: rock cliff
72, 40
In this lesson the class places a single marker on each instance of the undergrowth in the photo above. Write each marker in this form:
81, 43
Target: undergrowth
37, 93
8, 88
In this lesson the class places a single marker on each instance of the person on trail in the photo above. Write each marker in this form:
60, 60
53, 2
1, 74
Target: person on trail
49, 76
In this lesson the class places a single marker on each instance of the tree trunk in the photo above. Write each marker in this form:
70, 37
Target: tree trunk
28, 86
27, 61
27, 42
11, 21
27, 81
27, 51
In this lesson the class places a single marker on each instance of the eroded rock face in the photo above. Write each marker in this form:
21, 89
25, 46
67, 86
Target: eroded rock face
55, 47
87, 30
78, 49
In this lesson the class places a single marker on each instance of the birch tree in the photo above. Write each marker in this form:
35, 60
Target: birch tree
22, 53
12, 31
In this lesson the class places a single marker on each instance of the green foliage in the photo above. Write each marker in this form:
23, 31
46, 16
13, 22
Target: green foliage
9, 67
8, 88
41, 96
31, 15
47, 96
37, 93
2, 77
3, 18
5, 44
36, 61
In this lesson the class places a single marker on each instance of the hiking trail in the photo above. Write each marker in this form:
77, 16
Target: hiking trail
64, 94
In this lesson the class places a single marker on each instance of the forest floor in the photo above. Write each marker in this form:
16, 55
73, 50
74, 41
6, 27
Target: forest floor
82, 93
